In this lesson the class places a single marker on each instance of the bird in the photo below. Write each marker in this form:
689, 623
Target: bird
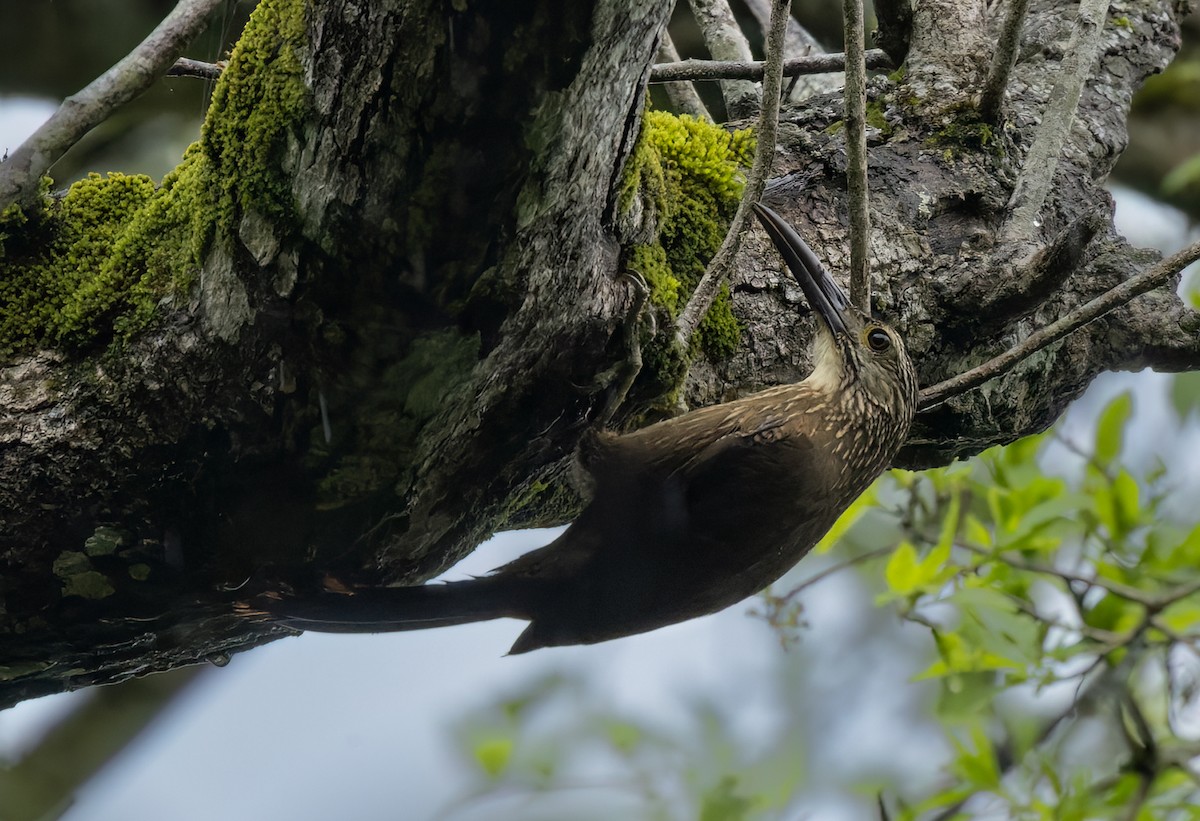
690, 515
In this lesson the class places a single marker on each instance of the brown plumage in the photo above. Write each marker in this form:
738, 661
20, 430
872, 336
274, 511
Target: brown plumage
690, 515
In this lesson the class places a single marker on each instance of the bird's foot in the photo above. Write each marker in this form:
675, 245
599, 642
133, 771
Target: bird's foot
619, 378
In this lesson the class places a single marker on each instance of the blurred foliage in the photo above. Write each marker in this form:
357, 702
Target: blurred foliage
555, 735
1064, 609
1163, 157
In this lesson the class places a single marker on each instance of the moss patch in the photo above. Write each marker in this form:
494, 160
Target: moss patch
690, 173
966, 133
99, 263
379, 443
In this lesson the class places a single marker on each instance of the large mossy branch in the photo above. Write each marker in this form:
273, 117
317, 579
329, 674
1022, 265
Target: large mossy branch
406, 228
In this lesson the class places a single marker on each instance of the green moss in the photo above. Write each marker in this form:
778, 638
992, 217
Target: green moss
689, 174
104, 541
79, 578
720, 332
385, 428
100, 263
876, 118
544, 503
258, 104
967, 133
1122, 22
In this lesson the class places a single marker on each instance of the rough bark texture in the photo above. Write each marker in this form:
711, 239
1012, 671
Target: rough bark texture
391, 353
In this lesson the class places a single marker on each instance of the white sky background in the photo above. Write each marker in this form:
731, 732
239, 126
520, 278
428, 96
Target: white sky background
355, 727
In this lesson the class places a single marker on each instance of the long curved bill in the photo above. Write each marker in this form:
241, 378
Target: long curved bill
822, 293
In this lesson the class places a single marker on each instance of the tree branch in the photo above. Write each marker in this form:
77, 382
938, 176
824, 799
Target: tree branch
1003, 60
797, 43
1148, 280
682, 94
764, 154
80, 113
42, 783
186, 67
725, 41
1041, 163
856, 155
753, 70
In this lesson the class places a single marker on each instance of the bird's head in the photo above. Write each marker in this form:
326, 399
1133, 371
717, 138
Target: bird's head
856, 355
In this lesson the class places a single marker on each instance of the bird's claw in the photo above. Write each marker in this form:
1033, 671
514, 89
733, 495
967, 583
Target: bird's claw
619, 378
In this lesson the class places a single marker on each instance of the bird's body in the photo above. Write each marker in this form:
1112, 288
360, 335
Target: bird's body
690, 515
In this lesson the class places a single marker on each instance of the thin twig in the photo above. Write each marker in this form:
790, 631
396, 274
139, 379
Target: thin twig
797, 42
764, 154
725, 41
1125, 591
877, 553
21, 173
1154, 603
1003, 60
1148, 280
740, 70
1039, 166
682, 94
187, 67
856, 155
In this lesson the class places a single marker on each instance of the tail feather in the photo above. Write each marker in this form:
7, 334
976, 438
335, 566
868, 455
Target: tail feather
390, 609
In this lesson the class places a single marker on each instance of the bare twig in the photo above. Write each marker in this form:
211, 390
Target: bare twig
1148, 280
764, 153
80, 113
1125, 591
797, 42
682, 94
1037, 171
856, 155
1003, 60
1153, 602
187, 67
877, 553
725, 41
752, 70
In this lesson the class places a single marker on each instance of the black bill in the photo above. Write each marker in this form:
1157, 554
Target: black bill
822, 293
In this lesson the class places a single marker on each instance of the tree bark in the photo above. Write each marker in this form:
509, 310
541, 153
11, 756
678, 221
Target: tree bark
408, 283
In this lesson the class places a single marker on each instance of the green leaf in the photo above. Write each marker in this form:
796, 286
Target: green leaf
1127, 506
903, 570
1110, 428
977, 533
848, 519
941, 552
1183, 176
1113, 613
722, 802
1185, 393
493, 754
977, 766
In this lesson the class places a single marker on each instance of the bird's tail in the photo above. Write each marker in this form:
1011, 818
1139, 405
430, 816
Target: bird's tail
390, 609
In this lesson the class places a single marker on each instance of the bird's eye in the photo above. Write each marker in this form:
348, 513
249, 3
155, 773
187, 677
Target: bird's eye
878, 340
